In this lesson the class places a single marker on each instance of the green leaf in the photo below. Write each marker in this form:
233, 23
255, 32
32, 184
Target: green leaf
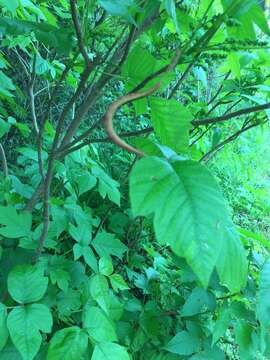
263, 304
105, 245
26, 284
4, 127
105, 266
171, 9
98, 325
243, 335
99, 290
109, 351
107, 186
86, 182
14, 225
6, 85
118, 283
120, 8
171, 122
211, 353
232, 273
183, 343
3, 326
198, 301
221, 325
24, 323
259, 18
69, 344
184, 197
87, 254
139, 64
234, 64
81, 233
51, 36
10, 5
61, 278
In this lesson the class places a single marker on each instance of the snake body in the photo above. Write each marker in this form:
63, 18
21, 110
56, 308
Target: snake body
108, 118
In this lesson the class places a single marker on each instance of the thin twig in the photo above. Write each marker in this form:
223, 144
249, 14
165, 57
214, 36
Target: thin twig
231, 138
4, 161
32, 96
220, 88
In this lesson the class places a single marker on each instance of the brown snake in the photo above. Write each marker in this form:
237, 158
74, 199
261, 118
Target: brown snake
108, 118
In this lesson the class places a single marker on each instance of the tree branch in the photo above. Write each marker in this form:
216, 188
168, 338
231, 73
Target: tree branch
77, 26
232, 115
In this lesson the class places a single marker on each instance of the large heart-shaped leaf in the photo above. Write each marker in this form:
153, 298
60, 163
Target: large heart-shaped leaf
69, 344
27, 284
24, 323
190, 212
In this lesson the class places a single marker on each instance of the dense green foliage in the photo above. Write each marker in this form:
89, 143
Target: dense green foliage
108, 256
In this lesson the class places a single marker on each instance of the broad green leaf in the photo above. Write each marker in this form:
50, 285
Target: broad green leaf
232, 273
10, 5
120, 8
98, 325
106, 244
259, 18
4, 127
184, 197
140, 64
221, 324
86, 182
68, 344
14, 225
118, 283
51, 36
10, 352
171, 122
6, 84
109, 351
171, 9
26, 284
87, 254
263, 303
3, 326
209, 354
24, 323
99, 290
183, 343
105, 266
243, 335
198, 301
